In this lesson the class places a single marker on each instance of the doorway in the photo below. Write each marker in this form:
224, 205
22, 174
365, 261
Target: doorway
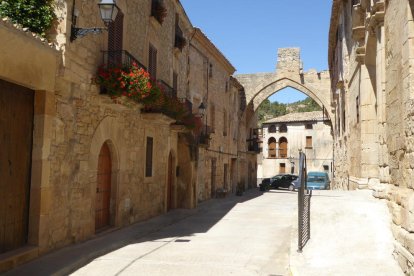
103, 189
16, 140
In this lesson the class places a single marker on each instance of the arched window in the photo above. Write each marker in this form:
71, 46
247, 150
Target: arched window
283, 147
271, 147
272, 129
283, 128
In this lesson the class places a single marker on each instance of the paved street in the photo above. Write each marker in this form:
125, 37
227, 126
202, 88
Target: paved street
255, 234
230, 238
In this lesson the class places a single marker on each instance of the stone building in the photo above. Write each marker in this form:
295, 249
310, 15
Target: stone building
284, 136
87, 164
371, 54
223, 155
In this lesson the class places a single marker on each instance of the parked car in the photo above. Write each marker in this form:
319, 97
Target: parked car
318, 181
283, 181
315, 181
265, 185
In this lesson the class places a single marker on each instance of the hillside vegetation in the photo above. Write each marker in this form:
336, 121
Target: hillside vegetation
268, 110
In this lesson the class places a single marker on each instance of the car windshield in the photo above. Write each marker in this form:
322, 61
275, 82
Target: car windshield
277, 177
314, 178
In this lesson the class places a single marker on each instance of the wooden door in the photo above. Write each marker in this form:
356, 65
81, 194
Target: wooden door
103, 189
170, 183
213, 178
16, 134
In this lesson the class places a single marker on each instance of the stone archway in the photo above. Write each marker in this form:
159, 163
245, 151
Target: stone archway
289, 73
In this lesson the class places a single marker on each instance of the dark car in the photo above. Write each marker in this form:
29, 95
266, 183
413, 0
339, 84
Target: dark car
283, 181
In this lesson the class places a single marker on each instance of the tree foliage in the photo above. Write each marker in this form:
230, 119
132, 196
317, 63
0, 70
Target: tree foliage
268, 110
36, 15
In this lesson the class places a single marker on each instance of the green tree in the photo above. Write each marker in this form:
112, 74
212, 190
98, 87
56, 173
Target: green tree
37, 15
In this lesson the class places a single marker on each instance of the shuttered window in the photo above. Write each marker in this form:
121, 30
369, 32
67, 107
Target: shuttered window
152, 62
115, 33
148, 160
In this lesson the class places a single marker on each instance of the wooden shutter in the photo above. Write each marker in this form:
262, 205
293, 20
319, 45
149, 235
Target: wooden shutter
115, 33
148, 160
152, 62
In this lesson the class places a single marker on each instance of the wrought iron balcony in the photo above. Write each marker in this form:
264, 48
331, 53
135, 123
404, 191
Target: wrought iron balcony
205, 136
119, 58
254, 147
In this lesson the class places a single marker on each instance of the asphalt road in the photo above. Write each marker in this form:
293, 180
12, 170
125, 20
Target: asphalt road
248, 235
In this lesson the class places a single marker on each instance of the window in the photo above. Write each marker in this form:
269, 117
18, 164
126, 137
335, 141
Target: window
271, 147
283, 128
308, 142
148, 157
210, 71
272, 129
212, 117
357, 108
309, 126
343, 122
224, 123
152, 62
175, 84
326, 168
227, 86
283, 147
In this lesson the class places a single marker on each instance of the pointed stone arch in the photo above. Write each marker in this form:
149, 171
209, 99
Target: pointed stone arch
289, 73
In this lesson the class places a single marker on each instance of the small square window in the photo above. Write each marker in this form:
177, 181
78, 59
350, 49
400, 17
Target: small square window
309, 126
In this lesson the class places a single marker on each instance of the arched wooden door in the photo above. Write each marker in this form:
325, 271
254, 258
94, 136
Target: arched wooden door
103, 189
170, 183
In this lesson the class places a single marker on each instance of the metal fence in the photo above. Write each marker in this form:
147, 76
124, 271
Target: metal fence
304, 202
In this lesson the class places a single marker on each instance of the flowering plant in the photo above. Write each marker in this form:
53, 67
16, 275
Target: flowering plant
130, 81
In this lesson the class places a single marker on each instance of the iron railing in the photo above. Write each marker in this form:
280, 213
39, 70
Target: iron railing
119, 58
304, 202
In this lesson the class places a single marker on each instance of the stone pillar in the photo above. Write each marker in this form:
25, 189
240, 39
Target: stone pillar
41, 191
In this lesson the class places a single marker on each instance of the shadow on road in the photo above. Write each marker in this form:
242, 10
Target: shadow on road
165, 226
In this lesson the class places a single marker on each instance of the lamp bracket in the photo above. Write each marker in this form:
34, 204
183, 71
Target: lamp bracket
80, 32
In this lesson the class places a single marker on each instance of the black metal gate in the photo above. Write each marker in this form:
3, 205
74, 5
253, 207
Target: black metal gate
304, 201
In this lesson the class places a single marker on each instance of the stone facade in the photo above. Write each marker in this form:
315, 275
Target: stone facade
73, 121
283, 137
370, 58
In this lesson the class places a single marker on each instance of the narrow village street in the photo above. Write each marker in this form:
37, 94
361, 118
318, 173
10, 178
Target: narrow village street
255, 234
247, 235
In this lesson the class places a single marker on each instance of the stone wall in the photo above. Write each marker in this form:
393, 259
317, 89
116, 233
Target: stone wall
375, 149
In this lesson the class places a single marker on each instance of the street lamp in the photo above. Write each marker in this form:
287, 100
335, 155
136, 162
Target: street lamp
108, 11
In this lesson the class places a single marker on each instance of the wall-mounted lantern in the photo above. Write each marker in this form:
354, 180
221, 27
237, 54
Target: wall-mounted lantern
108, 11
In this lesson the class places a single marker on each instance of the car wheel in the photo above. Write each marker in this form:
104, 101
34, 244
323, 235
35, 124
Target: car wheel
291, 187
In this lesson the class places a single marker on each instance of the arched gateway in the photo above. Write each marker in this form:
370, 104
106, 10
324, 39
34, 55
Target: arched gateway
289, 73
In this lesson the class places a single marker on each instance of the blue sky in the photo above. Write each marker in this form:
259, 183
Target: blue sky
249, 32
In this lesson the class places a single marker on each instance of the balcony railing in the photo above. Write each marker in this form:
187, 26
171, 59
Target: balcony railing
119, 58
205, 136
277, 153
167, 89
